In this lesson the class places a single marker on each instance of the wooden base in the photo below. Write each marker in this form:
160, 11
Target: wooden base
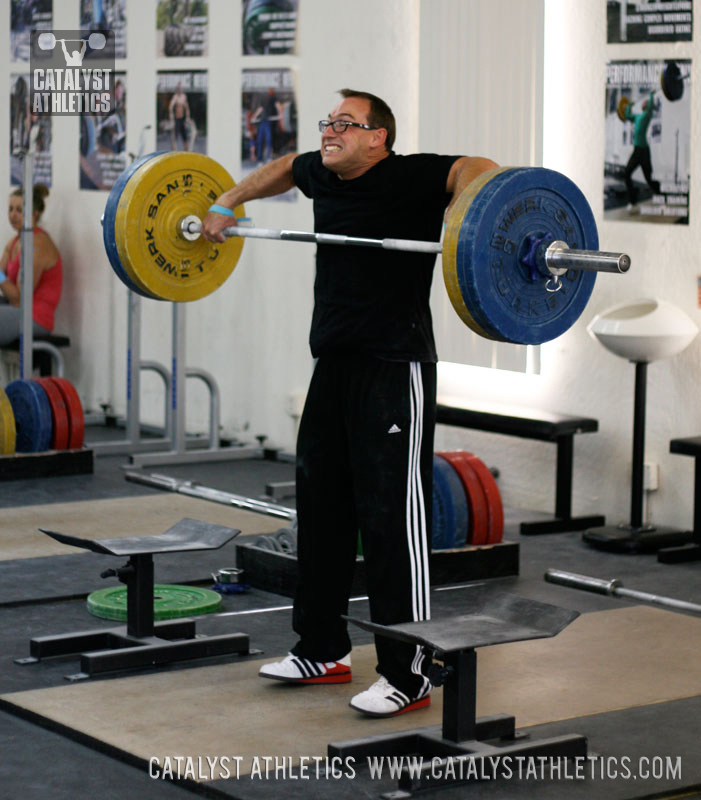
277, 572
19, 466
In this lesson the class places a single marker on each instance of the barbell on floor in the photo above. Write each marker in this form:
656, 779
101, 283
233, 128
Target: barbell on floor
614, 588
510, 238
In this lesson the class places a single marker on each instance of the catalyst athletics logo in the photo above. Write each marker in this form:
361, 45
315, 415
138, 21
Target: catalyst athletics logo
71, 72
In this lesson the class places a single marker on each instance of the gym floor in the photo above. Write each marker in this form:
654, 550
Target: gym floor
625, 676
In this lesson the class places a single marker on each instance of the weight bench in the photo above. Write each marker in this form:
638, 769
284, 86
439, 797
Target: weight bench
491, 617
141, 642
692, 551
546, 426
46, 355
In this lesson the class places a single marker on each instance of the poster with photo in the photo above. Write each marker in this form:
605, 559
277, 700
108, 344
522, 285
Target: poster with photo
648, 141
649, 21
181, 111
269, 27
100, 15
27, 16
181, 27
103, 139
269, 119
28, 132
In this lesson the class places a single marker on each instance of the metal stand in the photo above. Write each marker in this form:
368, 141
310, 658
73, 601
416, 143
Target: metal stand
636, 537
141, 643
180, 453
26, 281
692, 551
133, 441
466, 748
173, 447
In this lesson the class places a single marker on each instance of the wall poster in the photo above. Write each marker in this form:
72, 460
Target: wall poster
181, 111
103, 155
648, 141
28, 131
269, 119
649, 21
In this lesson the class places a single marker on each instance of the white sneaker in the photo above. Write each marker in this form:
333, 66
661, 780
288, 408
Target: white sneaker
384, 700
632, 208
295, 669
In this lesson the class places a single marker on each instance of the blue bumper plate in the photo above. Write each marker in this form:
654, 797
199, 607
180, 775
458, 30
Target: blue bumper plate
32, 411
505, 296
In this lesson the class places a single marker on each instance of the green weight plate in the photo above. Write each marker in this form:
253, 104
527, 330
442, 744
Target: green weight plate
169, 602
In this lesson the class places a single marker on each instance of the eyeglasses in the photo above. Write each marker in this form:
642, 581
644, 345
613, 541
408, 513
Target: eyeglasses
341, 125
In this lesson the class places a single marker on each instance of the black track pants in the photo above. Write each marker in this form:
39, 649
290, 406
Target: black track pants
364, 463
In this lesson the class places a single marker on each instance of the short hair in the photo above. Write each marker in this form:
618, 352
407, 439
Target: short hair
39, 192
380, 115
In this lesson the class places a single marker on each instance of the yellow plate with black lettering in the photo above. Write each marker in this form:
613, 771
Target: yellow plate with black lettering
8, 432
157, 258
451, 236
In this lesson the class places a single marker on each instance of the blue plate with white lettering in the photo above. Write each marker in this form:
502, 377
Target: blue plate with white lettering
32, 411
512, 213
108, 234
450, 511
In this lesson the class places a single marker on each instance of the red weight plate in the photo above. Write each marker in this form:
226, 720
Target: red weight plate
491, 490
476, 497
76, 420
59, 414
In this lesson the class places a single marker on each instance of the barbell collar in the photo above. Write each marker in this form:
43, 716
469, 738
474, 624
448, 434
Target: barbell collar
559, 258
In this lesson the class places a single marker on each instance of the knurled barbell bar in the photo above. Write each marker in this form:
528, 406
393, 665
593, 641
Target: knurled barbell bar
520, 250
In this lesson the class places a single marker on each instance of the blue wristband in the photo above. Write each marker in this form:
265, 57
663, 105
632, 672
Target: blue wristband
217, 209
3, 277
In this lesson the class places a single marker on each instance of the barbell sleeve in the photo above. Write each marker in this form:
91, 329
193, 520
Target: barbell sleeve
558, 257
615, 588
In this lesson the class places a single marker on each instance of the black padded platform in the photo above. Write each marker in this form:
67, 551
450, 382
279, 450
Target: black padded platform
141, 642
188, 534
526, 423
492, 617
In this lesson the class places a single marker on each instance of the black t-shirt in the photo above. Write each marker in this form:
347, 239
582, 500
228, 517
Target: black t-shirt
369, 300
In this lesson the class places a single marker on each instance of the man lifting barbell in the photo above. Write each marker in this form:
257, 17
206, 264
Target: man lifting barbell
365, 446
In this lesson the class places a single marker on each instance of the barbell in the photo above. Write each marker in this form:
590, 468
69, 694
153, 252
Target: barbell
47, 41
519, 251
671, 86
614, 588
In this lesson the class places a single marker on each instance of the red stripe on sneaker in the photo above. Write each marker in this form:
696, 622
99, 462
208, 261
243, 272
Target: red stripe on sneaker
422, 703
331, 677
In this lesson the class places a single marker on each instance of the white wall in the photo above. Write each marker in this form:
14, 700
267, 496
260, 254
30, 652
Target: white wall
480, 93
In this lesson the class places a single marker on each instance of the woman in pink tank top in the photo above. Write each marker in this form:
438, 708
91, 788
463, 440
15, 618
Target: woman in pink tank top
48, 272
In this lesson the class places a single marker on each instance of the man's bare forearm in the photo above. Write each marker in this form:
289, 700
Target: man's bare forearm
267, 181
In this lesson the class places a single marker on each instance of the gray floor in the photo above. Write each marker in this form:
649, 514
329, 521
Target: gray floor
43, 596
